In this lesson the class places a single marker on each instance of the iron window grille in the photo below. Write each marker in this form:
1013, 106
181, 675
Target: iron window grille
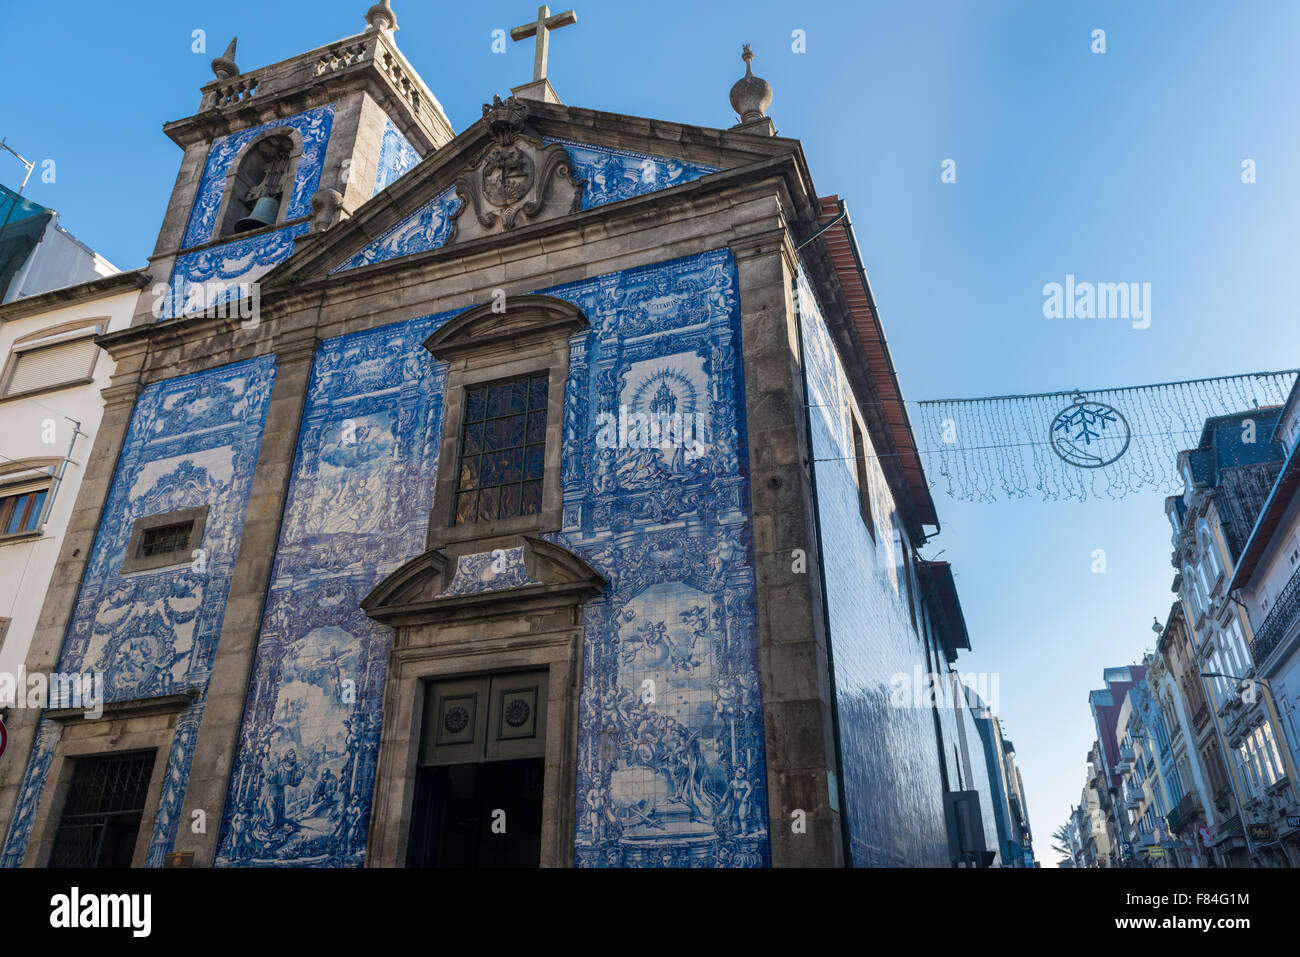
101, 819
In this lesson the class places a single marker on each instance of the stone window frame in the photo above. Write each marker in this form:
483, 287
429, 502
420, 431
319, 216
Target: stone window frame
484, 345
135, 562
524, 445
219, 231
127, 734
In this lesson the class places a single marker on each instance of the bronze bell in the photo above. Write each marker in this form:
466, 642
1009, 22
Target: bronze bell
263, 214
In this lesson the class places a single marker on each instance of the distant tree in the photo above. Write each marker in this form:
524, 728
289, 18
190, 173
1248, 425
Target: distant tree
1061, 844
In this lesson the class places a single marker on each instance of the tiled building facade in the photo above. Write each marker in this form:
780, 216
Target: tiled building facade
425, 530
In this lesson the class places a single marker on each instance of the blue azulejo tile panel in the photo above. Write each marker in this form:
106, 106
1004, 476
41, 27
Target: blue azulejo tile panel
426, 228
396, 156
313, 128
358, 507
220, 274
496, 570
613, 174
671, 757
890, 755
610, 175
192, 442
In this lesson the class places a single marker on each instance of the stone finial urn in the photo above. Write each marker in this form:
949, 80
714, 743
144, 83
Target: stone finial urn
751, 95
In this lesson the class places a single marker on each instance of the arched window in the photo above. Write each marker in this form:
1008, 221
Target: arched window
261, 185
1211, 552
1193, 587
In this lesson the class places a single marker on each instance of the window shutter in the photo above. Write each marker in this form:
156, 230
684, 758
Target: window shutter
41, 368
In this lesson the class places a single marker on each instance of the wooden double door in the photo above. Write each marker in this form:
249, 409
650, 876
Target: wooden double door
481, 770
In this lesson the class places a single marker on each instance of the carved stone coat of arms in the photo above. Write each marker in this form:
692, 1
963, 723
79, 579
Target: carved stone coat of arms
516, 180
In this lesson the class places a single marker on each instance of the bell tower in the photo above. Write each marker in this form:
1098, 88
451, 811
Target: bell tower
277, 152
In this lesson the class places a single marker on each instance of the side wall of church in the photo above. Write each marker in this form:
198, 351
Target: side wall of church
890, 760
672, 769
192, 441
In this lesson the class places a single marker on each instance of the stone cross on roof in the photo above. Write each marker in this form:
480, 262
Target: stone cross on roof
542, 30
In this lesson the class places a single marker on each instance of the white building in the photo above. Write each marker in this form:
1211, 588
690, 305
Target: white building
1268, 581
51, 374
1229, 480
37, 254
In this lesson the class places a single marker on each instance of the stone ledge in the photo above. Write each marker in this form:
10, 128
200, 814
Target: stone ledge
135, 708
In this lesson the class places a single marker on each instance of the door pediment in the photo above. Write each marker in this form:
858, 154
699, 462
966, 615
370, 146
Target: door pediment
433, 586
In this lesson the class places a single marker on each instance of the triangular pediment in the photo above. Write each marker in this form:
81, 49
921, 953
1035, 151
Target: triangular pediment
522, 164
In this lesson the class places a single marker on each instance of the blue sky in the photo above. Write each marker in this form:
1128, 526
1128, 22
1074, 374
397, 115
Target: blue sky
1122, 166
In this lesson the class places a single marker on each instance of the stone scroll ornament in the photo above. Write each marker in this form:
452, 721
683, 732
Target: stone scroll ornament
515, 180
1103, 443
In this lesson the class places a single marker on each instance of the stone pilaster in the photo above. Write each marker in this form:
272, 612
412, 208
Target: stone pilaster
797, 694
223, 711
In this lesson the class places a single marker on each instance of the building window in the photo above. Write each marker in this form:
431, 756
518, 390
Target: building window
51, 360
165, 539
101, 820
20, 512
4, 631
1210, 567
502, 450
158, 541
505, 439
1192, 588
864, 485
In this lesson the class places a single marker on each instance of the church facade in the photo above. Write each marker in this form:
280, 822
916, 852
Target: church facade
537, 494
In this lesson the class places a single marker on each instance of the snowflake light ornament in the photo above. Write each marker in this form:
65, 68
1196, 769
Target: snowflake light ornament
1089, 434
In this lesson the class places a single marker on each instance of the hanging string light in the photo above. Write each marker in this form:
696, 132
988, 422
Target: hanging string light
1080, 444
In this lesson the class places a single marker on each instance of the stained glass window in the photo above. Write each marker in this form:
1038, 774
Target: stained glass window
502, 450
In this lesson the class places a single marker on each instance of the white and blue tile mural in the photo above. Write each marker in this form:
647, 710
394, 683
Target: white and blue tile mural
426, 228
313, 126
219, 274
611, 175
213, 276
890, 759
481, 572
671, 757
358, 507
676, 777
614, 174
192, 441
396, 156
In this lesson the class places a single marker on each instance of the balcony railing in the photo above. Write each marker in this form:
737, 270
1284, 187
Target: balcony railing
1278, 621
1126, 757
1182, 814
1202, 715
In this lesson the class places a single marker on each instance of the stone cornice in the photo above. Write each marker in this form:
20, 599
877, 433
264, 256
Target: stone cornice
72, 295
287, 296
